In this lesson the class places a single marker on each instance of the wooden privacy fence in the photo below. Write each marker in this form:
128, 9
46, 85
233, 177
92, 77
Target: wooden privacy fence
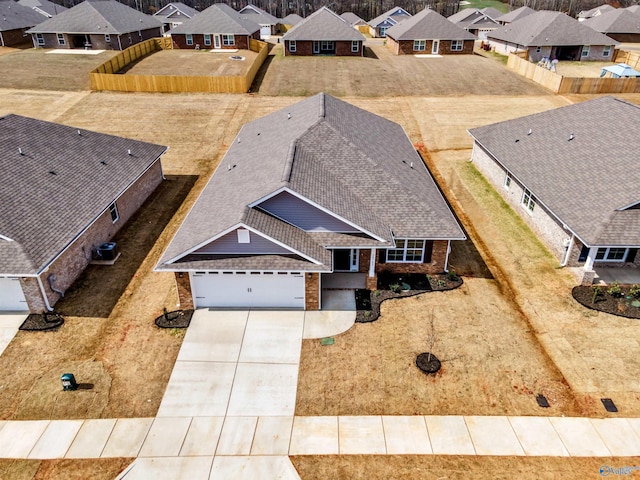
630, 58
560, 84
105, 77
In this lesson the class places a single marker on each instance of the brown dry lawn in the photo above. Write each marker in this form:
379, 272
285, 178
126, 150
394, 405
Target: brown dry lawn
582, 69
94, 469
191, 62
39, 69
381, 73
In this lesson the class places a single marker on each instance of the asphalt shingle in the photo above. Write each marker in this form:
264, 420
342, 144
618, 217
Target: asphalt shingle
218, 18
323, 25
14, 16
428, 24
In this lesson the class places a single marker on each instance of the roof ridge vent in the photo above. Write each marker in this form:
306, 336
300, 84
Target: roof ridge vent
288, 166
322, 106
20, 151
571, 137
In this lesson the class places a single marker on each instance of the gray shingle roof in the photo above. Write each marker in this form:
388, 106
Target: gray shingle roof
352, 19
218, 18
291, 19
584, 181
465, 15
170, 10
258, 15
98, 17
428, 24
492, 13
616, 21
547, 28
323, 25
348, 161
14, 16
41, 211
595, 11
45, 6
514, 15
396, 14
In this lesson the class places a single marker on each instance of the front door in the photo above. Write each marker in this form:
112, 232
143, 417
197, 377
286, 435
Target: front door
316, 47
435, 46
216, 41
345, 260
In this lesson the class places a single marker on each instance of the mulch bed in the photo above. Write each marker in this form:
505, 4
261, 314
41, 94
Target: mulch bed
368, 302
620, 306
38, 322
175, 319
428, 363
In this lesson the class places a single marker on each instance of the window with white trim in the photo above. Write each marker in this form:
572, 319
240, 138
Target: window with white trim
528, 200
419, 45
585, 51
207, 40
406, 251
228, 40
606, 51
292, 46
189, 39
107, 38
355, 46
507, 181
612, 254
61, 40
327, 45
113, 210
456, 45
40, 39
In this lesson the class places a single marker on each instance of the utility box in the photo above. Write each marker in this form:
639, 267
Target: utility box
68, 381
107, 251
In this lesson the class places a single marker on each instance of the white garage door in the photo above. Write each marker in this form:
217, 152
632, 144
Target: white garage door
11, 295
265, 31
248, 289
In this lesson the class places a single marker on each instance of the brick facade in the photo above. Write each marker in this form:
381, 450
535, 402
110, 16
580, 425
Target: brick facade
436, 265
241, 42
183, 285
405, 47
305, 48
14, 38
312, 291
70, 264
98, 42
596, 52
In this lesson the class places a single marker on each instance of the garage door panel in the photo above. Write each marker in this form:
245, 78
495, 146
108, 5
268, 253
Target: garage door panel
11, 295
248, 290
265, 31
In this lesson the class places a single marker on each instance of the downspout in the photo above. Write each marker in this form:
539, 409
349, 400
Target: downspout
44, 294
52, 278
567, 254
1, 40
446, 260
119, 42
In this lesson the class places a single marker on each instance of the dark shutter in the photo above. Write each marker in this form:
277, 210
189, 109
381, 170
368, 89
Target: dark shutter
382, 256
428, 249
584, 253
631, 256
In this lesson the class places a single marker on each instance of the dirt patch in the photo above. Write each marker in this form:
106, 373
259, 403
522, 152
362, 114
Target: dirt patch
63, 469
598, 298
191, 62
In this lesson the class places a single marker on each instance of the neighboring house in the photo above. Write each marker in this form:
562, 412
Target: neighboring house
43, 7
620, 24
64, 192
571, 174
379, 25
477, 22
217, 27
514, 15
268, 23
316, 188
15, 20
354, 20
428, 32
552, 35
594, 12
291, 20
174, 14
97, 24
323, 33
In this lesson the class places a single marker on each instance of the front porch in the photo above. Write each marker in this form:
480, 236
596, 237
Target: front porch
338, 290
627, 275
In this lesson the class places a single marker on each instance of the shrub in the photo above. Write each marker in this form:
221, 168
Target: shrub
453, 276
442, 283
367, 313
597, 291
376, 293
615, 290
634, 291
395, 287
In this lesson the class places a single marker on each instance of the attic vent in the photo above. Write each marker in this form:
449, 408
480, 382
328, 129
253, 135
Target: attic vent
129, 152
20, 151
103, 162
79, 132
52, 172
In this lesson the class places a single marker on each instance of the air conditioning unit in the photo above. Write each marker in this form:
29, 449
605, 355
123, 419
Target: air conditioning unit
107, 251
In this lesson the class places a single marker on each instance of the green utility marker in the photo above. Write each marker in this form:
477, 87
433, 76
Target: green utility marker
327, 341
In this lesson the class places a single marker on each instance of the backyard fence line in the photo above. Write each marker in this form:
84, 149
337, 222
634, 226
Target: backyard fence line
563, 85
630, 58
105, 77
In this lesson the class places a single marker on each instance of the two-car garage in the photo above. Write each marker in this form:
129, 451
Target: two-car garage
11, 295
248, 289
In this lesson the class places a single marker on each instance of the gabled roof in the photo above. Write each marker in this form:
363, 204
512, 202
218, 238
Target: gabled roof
633, 8
58, 186
323, 25
14, 16
99, 17
258, 15
218, 18
43, 7
594, 12
291, 19
619, 20
585, 181
490, 12
514, 15
428, 24
469, 16
357, 165
395, 15
176, 8
547, 28
353, 19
